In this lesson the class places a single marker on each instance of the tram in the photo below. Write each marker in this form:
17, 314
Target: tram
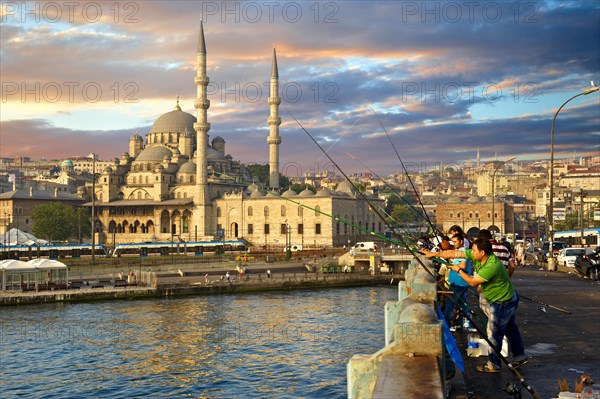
185, 248
52, 251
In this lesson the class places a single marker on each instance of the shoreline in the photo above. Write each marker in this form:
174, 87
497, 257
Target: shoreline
169, 290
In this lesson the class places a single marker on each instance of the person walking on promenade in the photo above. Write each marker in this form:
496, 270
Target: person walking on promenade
227, 276
268, 273
520, 254
496, 287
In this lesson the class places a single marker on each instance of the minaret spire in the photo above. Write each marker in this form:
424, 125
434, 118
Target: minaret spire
274, 121
202, 214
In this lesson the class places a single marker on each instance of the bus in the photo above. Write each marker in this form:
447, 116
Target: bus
52, 251
186, 248
573, 237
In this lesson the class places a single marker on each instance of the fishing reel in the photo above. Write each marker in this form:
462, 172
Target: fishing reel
511, 389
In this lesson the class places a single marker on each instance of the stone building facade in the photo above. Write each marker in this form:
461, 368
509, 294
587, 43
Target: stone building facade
474, 214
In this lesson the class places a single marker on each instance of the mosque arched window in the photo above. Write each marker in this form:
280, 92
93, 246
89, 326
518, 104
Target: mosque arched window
250, 212
451, 215
218, 211
317, 210
470, 215
300, 211
282, 210
266, 211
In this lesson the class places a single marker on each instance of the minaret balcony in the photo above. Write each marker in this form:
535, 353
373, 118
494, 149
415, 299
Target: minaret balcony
202, 103
201, 80
273, 140
274, 120
202, 127
274, 100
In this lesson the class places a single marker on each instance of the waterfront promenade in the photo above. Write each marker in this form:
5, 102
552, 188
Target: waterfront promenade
191, 279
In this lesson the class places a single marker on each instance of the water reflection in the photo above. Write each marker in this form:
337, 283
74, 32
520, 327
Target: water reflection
267, 345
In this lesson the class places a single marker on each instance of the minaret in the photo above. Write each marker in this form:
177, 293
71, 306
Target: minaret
478, 158
202, 215
274, 121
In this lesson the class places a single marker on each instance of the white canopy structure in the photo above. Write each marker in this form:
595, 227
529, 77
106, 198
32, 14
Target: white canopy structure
17, 237
37, 274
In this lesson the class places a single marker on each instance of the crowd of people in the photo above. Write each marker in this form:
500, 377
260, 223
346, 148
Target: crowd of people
487, 265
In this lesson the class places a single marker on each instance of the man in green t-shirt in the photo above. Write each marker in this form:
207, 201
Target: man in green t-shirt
491, 275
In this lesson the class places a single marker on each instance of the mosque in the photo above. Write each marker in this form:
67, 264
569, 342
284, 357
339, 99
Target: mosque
179, 185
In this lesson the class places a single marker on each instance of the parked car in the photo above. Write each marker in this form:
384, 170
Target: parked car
566, 256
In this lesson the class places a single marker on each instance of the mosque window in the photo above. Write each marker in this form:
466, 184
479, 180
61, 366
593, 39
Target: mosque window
317, 210
300, 211
191, 179
476, 214
451, 215
318, 228
470, 215
219, 212
147, 180
282, 210
300, 228
250, 213
283, 228
489, 215
266, 228
250, 228
266, 211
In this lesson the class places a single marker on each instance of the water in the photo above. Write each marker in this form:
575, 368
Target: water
265, 345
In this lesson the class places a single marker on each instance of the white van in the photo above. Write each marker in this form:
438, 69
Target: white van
293, 248
365, 246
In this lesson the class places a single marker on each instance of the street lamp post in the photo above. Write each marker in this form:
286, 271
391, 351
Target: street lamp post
494, 188
551, 259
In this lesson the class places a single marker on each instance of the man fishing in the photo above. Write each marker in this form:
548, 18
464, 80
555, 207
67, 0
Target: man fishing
499, 292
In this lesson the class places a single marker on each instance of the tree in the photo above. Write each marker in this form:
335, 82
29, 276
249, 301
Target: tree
58, 222
259, 173
404, 215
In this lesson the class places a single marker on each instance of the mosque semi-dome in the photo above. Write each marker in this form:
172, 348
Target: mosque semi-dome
156, 153
188, 167
175, 121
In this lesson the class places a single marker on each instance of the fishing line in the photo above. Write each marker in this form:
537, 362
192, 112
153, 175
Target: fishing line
401, 240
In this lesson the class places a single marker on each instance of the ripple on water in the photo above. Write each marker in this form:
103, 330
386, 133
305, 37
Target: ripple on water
266, 345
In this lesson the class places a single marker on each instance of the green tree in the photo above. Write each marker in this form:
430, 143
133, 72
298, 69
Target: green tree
58, 222
404, 215
259, 173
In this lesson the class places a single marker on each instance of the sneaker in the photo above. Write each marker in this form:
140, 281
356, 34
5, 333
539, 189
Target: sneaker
518, 363
488, 368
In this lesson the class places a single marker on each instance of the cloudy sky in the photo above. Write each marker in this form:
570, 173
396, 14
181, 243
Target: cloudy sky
443, 78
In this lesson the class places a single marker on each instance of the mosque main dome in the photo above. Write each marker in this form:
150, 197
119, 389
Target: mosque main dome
175, 121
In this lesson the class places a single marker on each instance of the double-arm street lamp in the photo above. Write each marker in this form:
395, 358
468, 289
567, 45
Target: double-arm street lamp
551, 260
494, 188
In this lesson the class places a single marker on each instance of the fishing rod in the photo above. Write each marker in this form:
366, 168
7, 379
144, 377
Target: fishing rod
394, 191
420, 261
406, 173
544, 304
